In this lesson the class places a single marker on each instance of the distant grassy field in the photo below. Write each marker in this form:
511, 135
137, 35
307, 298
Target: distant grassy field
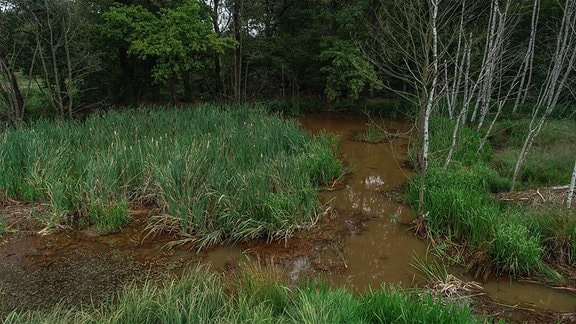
214, 173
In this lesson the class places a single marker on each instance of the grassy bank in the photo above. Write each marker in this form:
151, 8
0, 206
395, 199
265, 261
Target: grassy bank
215, 173
512, 239
255, 296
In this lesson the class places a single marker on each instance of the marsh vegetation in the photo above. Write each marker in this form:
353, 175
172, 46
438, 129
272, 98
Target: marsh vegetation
214, 174
491, 237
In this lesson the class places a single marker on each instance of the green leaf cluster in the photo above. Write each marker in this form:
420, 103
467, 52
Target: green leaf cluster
175, 39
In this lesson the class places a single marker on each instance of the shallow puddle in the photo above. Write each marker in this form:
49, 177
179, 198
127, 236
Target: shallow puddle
531, 295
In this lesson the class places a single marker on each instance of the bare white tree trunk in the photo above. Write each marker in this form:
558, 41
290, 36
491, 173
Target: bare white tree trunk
10, 91
468, 93
495, 55
454, 85
64, 63
571, 188
526, 79
429, 104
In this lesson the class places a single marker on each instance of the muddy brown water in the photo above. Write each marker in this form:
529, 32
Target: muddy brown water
363, 242
381, 250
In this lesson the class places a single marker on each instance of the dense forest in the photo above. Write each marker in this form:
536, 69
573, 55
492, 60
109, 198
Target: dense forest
67, 57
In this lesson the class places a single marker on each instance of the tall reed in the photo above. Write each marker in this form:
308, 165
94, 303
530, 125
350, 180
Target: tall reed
224, 173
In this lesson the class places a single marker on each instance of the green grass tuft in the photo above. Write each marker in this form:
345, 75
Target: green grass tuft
460, 207
109, 218
4, 228
229, 173
517, 250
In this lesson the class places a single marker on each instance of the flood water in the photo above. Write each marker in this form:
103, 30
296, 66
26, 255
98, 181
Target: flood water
382, 250
365, 241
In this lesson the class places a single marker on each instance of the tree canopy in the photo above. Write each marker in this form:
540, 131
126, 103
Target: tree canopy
73, 55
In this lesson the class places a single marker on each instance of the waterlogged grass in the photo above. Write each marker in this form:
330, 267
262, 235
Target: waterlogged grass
460, 208
557, 227
517, 250
109, 218
216, 173
458, 203
256, 297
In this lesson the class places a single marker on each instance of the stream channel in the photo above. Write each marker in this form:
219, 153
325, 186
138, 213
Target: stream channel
364, 241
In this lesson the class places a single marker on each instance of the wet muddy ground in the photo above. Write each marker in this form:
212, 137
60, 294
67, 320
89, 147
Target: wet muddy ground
363, 240
77, 267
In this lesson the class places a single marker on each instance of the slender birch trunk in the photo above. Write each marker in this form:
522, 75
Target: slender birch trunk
495, 55
428, 108
571, 188
10, 93
526, 79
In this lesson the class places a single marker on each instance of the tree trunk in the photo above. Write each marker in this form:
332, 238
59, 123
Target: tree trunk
217, 57
561, 67
237, 16
11, 93
428, 109
571, 189
127, 78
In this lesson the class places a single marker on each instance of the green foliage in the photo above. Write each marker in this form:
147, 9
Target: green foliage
551, 159
468, 141
460, 208
174, 39
557, 227
200, 297
516, 250
318, 304
221, 174
391, 306
348, 73
3, 225
458, 204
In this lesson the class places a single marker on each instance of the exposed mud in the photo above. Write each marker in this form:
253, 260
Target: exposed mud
74, 267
